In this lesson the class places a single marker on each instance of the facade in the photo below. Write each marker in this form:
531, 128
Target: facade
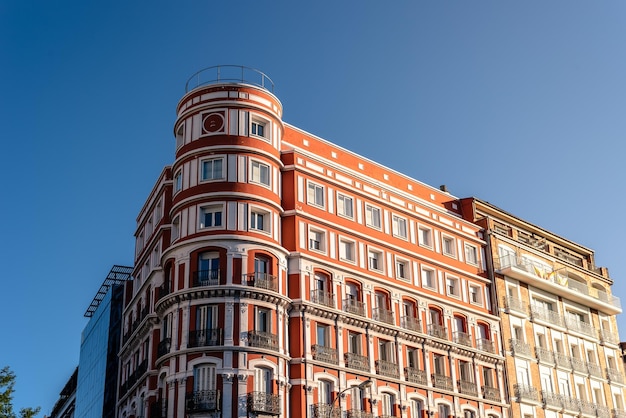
65, 406
275, 271
100, 343
558, 320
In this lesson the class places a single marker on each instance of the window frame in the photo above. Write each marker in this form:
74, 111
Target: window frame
257, 177
406, 267
479, 294
213, 209
178, 181
396, 231
448, 239
312, 198
454, 283
343, 198
213, 159
429, 235
379, 259
254, 212
343, 240
473, 260
432, 275
371, 209
321, 239
257, 121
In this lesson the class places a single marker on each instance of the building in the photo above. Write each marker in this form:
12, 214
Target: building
100, 343
65, 406
275, 271
558, 315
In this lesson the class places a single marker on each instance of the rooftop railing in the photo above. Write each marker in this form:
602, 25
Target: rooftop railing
229, 74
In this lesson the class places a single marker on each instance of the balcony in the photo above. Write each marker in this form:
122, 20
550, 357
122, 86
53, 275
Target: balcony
539, 313
261, 339
261, 281
603, 411
485, 345
164, 347
205, 337
323, 410
570, 404
551, 400
558, 282
411, 323
322, 298
608, 337
594, 370
587, 408
163, 291
544, 355
438, 331
357, 361
441, 381
581, 327
357, 413
414, 375
515, 304
387, 368
384, 315
614, 375
519, 347
206, 278
468, 388
525, 393
491, 393
354, 306
462, 338
203, 401
264, 403
562, 360
325, 354
579, 365
618, 413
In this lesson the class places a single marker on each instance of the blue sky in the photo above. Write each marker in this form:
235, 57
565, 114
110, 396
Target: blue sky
521, 104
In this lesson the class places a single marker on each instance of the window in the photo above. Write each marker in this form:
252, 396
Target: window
346, 250
208, 269
315, 194
317, 240
263, 320
452, 286
372, 216
448, 246
180, 136
204, 378
416, 409
488, 377
375, 260
475, 295
178, 181
471, 254
388, 402
261, 267
323, 335
354, 342
386, 351
444, 411
402, 269
345, 206
263, 380
412, 357
259, 220
212, 169
353, 292
425, 236
258, 128
399, 226
260, 173
439, 361
211, 216
325, 392
175, 228
428, 278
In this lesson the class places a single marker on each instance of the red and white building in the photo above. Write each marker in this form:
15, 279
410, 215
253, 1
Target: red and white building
278, 274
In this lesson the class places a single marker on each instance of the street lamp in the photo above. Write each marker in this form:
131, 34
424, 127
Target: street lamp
361, 386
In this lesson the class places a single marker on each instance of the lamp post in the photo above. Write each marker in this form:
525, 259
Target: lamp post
361, 386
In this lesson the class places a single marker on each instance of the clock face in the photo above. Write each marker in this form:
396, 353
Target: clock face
213, 122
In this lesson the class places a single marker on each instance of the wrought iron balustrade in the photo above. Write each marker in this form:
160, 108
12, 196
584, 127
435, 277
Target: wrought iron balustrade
325, 354
485, 345
570, 404
411, 323
357, 361
546, 315
587, 408
525, 393
387, 368
264, 403
414, 375
515, 304
205, 337
438, 331
462, 338
603, 411
261, 339
491, 393
594, 369
384, 315
614, 375
357, 413
468, 387
579, 365
354, 306
580, 326
324, 410
562, 360
442, 381
544, 355
607, 336
618, 413
519, 347
322, 298
164, 347
261, 281
551, 400
203, 401
207, 278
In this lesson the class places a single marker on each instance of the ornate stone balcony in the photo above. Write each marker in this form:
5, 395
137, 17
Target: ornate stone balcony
325, 354
261, 339
354, 306
485, 345
491, 393
438, 331
264, 403
411, 323
462, 338
383, 315
357, 361
322, 298
414, 375
387, 368
468, 388
442, 381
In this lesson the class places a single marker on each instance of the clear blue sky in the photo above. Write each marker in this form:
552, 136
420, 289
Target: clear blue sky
518, 103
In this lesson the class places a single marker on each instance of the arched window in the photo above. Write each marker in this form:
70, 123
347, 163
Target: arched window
417, 408
461, 336
409, 318
323, 292
483, 337
263, 380
436, 327
208, 272
382, 311
325, 392
352, 303
388, 404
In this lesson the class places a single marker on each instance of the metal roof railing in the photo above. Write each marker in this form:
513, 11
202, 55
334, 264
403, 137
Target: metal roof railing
229, 74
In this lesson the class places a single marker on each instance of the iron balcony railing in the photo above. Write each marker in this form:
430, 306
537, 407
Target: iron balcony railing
519, 347
387, 368
261, 339
525, 393
354, 306
264, 403
562, 360
220, 74
357, 413
603, 411
163, 291
262, 281
325, 354
485, 345
579, 365
618, 413
546, 315
551, 400
164, 347
462, 338
438, 331
203, 401
544, 355
205, 337
491, 393
384, 315
357, 361
570, 404
594, 369
414, 375
607, 336
207, 278
582, 327
411, 323
587, 408
442, 381
322, 298
324, 410
468, 388
614, 375
515, 304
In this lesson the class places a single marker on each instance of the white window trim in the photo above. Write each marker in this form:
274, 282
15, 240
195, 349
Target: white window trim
178, 187
407, 269
479, 292
394, 220
433, 276
457, 286
267, 127
251, 178
445, 238
354, 249
380, 217
267, 219
322, 241
467, 259
212, 158
313, 202
421, 228
201, 211
342, 195
380, 260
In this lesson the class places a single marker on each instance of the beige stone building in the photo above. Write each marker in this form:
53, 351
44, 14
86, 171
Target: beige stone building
558, 320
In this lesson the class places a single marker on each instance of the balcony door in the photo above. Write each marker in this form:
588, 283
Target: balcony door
204, 377
208, 266
261, 267
263, 380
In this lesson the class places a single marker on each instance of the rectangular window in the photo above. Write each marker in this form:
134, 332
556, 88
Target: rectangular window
346, 250
354, 342
372, 216
452, 286
375, 260
399, 227
345, 206
402, 270
176, 228
448, 244
323, 335
259, 220
315, 194
212, 169
471, 254
425, 236
428, 278
317, 240
211, 216
475, 295
263, 320
260, 173
178, 181
258, 128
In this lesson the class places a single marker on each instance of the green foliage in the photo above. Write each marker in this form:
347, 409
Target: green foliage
7, 384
